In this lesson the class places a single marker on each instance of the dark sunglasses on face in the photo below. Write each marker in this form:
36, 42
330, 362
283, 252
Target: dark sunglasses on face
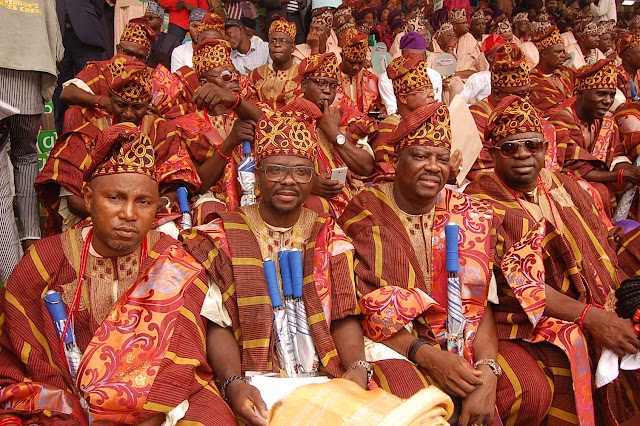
277, 173
511, 148
323, 84
227, 76
128, 52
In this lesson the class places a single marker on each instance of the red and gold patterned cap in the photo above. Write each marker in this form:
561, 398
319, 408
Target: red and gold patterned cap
585, 28
289, 131
429, 125
320, 65
212, 22
355, 46
283, 26
479, 15
627, 42
601, 75
408, 72
129, 78
211, 53
121, 148
493, 41
512, 116
546, 36
138, 31
457, 15
509, 68
324, 18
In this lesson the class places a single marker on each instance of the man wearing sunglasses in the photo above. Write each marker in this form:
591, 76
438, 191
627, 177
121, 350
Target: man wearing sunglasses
88, 92
551, 321
594, 151
241, 326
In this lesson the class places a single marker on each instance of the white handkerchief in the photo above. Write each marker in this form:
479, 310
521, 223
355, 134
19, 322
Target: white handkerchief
608, 370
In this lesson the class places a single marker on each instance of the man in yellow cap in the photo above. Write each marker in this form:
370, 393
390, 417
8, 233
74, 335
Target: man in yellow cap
135, 352
278, 83
593, 151
359, 85
551, 82
241, 334
398, 230
555, 270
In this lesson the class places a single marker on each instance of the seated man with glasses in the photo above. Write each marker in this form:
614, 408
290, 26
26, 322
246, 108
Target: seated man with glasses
239, 302
278, 83
88, 92
556, 271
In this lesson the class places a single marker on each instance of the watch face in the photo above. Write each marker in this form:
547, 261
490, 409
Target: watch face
340, 139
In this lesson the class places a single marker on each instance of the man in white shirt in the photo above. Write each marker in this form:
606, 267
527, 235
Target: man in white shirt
604, 10
247, 54
183, 54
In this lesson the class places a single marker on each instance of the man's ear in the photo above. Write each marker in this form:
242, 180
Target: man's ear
402, 99
88, 196
394, 161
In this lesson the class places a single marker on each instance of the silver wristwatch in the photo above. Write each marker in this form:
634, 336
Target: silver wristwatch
493, 365
365, 365
341, 139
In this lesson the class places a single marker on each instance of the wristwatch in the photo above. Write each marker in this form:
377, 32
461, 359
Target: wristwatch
493, 365
365, 365
341, 139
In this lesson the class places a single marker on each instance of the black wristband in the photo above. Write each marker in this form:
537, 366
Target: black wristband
413, 349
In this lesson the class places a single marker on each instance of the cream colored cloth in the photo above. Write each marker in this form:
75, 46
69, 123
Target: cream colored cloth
123, 13
579, 60
302, 51
342, 402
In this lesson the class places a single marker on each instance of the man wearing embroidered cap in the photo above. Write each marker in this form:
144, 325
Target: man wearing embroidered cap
240, 336
278, 83
321, 37
106, 272
550, 319
183, 55
467, 52
342, 134
593, 150
551, 82
127, 83
165, 43
89, 90
359, 85
397, 229
628, 48
585, 50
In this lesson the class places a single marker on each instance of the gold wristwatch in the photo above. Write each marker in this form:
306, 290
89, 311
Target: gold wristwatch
493, 365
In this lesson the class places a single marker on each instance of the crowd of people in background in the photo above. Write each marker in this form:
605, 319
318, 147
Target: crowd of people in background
430, 201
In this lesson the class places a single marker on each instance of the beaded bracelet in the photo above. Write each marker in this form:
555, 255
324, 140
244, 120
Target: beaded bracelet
223, 388
365, 365
413, 349
237, 103
584, 313
222, 154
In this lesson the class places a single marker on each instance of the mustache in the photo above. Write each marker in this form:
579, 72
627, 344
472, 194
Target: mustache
287, 189
430, 174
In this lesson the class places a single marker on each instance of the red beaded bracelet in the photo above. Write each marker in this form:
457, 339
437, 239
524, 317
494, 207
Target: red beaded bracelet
237, 103
621, 176
98, 101
11, 421
222, 154
585, 310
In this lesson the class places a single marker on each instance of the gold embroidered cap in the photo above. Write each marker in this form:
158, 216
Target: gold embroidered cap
479, 15
283, 26
546, 36
509, 68
503, 27
129, 78
586, 28
429, 125
601, 75
211, 53
121, 148
408, 72
457, 16
627, 42
415, 23
289, 131
355, 45
320, 65
138, 31
324, 18
445, 28
512, 116
212, 22
522, 16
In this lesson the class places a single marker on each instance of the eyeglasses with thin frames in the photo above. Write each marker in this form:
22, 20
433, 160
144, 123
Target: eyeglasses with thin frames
510, 148
323, 84
277, 173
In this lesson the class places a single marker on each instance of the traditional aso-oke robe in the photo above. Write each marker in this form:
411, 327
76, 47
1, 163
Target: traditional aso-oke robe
549, 93
275, 88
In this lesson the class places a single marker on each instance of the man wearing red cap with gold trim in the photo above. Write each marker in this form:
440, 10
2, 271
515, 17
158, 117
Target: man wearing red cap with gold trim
234, 245
556, 271
133, 298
